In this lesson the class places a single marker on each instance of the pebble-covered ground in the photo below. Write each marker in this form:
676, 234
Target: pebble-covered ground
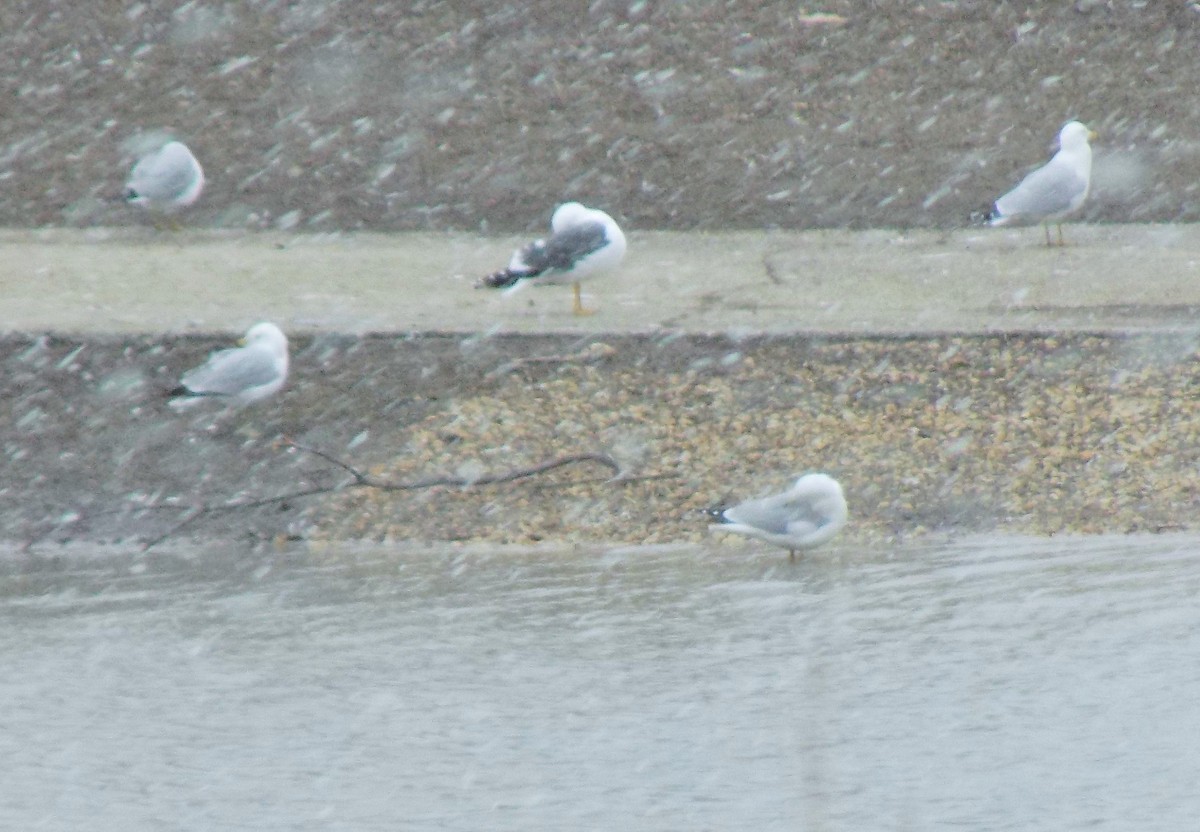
1038, 434
1029, 434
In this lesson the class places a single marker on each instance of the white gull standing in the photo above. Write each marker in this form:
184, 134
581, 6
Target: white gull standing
584, 243
241, 375
168, 179
1055, 190
808, 514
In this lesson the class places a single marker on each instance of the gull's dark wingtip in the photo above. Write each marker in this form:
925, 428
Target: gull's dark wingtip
985, 216
716, 513
499, 280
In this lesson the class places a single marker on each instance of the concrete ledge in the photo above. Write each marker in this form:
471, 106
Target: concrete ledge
136, 281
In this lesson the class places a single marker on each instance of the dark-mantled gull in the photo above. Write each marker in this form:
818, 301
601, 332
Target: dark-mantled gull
241, 375
167, 179
584, 243
1055, 190
808, 514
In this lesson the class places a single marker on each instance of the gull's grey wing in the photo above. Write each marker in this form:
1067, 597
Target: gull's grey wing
162, 176
563, 249
776, 514
1048, 190
229, 372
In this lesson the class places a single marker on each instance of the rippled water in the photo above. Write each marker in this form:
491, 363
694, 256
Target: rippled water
981, 685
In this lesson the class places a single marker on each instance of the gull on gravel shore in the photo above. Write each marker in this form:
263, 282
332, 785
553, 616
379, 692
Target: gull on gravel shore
241, 375
583, 243
168, 179
808, 514
1053, 191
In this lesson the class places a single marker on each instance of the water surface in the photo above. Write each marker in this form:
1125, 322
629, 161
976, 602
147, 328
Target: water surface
1008, 684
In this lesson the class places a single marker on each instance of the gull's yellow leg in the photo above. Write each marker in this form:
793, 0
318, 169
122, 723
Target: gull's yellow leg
1046, 228
578, 307
166, 223
1061, 241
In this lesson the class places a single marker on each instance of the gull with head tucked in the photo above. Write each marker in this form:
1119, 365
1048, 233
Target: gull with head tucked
1053, 191
584, 243
808, 514
168, 179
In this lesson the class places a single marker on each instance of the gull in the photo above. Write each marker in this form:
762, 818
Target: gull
808, 514
168, 179
584, 243
1054, 190
241, 375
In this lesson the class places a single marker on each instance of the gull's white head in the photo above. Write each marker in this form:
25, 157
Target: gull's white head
826, 496
1074, 136
268, 335
568, 214
820, 484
